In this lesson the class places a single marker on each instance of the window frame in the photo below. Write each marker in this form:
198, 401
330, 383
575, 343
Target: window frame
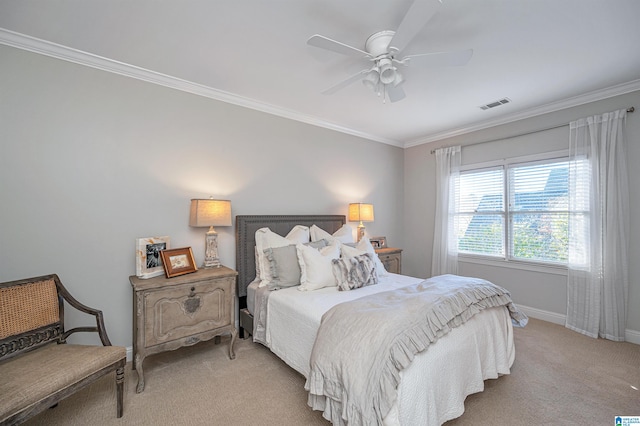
507, 260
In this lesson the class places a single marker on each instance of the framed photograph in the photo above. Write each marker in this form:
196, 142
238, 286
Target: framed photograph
378, 242
148, 259
178, 262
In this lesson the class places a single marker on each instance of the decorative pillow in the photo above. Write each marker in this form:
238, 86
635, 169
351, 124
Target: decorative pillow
266, 238
315, 266
257, 260
343, 235
364, 245
285, 269
284, 265
299, 234
354, 272
350, 251
317, 244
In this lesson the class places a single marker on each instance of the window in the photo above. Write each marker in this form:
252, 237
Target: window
515, 211
480, 220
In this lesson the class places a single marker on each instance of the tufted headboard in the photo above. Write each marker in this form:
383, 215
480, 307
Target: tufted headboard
246, 227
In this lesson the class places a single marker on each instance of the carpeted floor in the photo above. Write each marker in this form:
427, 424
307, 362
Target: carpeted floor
559, 377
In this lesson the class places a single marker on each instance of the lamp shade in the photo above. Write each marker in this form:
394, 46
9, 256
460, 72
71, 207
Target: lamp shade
360, 212
210, 213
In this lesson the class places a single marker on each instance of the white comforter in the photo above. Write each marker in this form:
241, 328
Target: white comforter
433, 388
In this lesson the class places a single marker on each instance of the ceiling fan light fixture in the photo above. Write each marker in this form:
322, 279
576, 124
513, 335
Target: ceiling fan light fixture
388, 76
387, 71
371, 79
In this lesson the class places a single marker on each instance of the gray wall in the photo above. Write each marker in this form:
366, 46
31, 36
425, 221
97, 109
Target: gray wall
90, 161
542, 291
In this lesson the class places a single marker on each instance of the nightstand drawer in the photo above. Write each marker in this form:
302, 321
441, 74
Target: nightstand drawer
186, 310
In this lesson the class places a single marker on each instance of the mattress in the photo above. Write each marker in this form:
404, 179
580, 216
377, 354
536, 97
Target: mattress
433, 388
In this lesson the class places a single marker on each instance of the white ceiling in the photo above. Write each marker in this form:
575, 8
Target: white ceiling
541, 54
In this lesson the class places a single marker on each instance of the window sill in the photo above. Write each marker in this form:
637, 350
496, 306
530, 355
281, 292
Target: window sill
500, 263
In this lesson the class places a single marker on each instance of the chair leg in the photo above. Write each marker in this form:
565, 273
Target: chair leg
120, 389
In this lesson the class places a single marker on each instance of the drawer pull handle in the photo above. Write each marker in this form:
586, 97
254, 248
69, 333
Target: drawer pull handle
191, 305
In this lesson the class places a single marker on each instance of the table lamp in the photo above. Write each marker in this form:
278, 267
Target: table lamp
210, 213
360, 212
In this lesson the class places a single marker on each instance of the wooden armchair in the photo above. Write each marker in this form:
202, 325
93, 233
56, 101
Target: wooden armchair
37, 367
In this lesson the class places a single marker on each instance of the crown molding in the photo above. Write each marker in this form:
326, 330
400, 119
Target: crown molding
586, 98
47, 48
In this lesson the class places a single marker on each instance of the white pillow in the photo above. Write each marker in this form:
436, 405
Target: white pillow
348, 251
364, 246
343, 235
298, 235
316, 270
266, 238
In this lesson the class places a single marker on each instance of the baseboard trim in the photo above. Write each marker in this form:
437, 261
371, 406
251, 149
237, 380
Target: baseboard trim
543, 315
631, 336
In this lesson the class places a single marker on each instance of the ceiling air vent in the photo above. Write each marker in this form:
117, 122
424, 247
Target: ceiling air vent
495, 103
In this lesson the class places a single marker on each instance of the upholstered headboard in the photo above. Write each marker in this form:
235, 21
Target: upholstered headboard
246, 227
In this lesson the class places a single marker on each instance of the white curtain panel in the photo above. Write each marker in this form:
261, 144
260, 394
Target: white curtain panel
598, 278
445, 242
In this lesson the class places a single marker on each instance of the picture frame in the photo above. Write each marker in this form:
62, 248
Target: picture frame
148, 259
378, 242
178, 261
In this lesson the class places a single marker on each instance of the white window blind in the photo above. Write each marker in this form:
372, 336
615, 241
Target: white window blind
516, 211
538, 211
480, 221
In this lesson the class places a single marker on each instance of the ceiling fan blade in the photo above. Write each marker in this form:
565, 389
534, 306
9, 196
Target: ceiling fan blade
415, 19
323, 42
344, 83
454, 58
395, 93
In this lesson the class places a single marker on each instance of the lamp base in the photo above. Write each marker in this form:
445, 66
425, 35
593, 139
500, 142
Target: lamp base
360, 232
211, 259
215, 264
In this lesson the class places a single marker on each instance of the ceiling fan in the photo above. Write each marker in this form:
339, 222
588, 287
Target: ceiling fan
383, 49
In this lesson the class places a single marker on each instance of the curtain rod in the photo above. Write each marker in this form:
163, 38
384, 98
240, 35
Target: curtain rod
433, 151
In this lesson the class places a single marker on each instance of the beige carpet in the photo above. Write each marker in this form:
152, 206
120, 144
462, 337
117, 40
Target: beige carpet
559, 377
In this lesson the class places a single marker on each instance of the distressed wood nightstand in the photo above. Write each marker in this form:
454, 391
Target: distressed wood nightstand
181, 311
391, 259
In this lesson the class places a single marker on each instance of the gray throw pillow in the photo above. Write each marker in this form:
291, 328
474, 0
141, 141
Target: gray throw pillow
284, 265
317, 244
355, 272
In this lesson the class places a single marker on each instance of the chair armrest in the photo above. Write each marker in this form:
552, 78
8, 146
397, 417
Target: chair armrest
100, 328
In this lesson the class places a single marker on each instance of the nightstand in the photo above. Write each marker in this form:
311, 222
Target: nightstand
169, 313
391, 259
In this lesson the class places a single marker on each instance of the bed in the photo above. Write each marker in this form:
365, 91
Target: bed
431, 388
